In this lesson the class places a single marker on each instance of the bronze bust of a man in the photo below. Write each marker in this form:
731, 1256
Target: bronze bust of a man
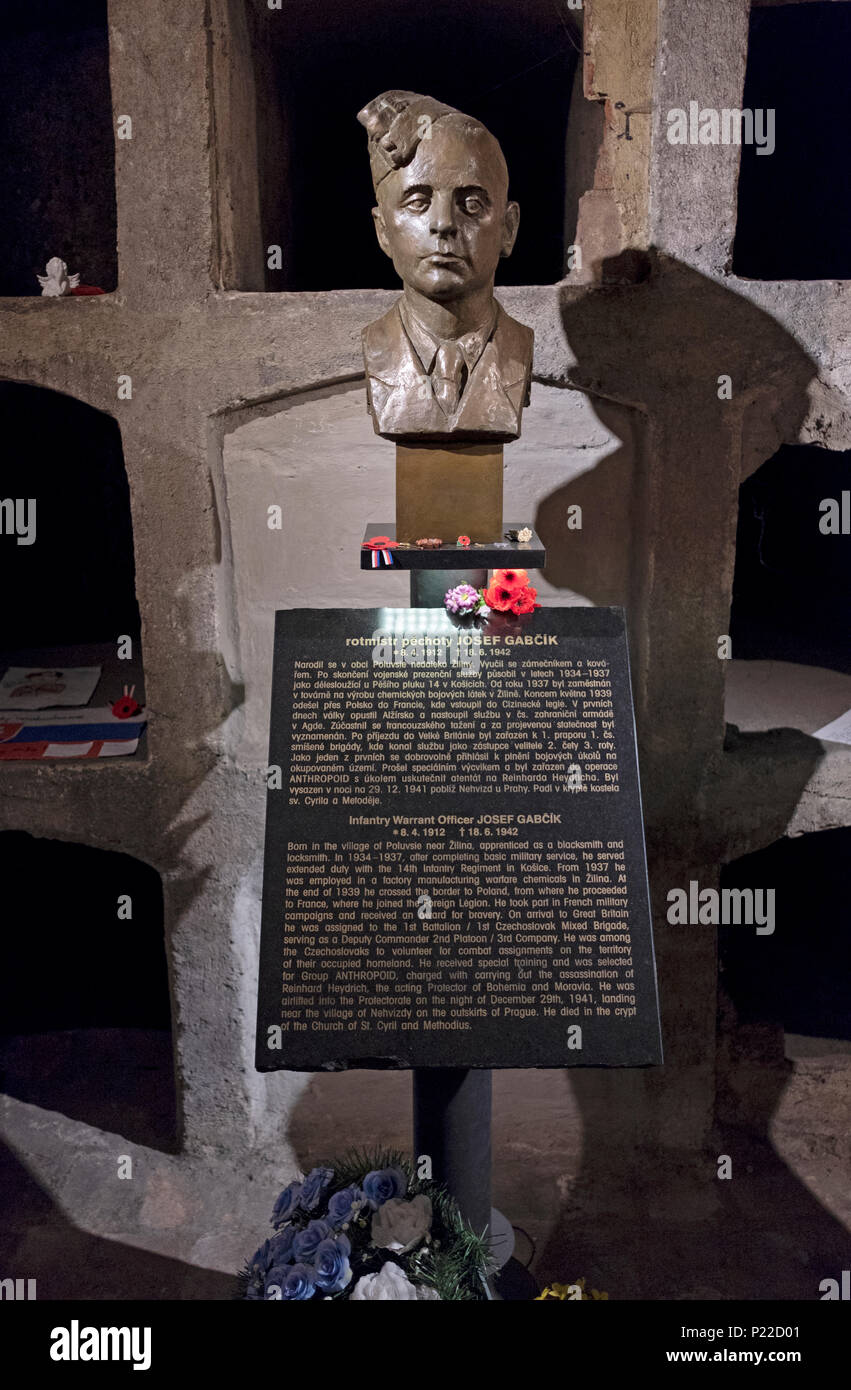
446, 361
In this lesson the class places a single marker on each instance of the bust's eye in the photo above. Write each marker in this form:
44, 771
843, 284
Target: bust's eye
419, 203
474, 206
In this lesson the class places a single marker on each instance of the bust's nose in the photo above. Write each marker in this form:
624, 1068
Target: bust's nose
443, 222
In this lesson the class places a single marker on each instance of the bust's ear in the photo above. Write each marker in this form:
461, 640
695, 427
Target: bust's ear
510, 223
381, 231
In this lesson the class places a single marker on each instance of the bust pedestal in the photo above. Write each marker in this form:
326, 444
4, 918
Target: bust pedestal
449, 490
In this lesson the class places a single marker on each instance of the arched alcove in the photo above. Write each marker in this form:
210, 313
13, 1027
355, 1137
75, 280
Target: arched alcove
85, 1010
66, 545
57, 166
792, 580
315, 455
796, 974
291, 157
794, 205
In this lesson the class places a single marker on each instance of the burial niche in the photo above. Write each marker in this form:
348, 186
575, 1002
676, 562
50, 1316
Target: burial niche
289, 82
85, 1010
792, 966
57, 161
792, 580
794, 203
66, 543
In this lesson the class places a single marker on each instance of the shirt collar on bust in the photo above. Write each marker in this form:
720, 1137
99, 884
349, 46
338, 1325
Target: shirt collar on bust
425, 344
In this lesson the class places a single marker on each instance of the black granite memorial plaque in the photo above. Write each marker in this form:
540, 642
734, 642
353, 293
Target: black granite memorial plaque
454, 870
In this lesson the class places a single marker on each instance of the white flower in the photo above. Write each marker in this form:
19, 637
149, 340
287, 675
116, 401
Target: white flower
525, 534
390, 1282
399, 1225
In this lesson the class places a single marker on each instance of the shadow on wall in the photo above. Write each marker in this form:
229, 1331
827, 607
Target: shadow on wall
657, 335
664, 343
37, 1241
595, 559
677, 1231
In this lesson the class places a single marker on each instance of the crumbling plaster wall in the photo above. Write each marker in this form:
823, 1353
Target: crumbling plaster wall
204, 363
609, 149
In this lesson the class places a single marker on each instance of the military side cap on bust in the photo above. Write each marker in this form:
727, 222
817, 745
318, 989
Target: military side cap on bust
395, 126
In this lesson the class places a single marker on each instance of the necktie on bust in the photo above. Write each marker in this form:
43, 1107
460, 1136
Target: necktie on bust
448, 375
447, 362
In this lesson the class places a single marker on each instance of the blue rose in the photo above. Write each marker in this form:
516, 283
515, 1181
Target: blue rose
314, 1186
341, 1205
286, 1204
382, 1184
281, 1247
306, 1241
261, 1259
331, 1263
276, 1283
294, 1281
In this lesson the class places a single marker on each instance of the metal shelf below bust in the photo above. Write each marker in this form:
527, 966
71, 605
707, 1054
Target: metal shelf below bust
446, 361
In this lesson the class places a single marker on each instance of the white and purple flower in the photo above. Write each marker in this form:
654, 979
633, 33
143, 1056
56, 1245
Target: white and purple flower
463, 600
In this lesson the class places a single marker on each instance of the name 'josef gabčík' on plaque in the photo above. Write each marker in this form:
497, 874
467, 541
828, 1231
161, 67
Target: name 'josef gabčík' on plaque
446, 362
454, 868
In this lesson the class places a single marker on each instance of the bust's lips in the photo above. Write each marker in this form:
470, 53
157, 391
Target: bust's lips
444, 260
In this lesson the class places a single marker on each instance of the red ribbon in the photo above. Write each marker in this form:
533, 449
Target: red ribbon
382, 548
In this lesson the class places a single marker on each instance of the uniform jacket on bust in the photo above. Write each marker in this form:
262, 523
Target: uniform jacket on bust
402, 402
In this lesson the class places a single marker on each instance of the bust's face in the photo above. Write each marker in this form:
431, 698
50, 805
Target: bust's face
444, 219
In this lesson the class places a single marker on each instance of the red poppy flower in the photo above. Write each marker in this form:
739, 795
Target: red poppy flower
511, 579
524, 600
125, 707
498, 597
463, 540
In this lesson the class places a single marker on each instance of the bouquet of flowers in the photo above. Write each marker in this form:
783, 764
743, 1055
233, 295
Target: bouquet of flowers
365, 1227
508, 592
569, 1293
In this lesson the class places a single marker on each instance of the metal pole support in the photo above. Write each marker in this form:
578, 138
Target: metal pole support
452, 1105
452, 1124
